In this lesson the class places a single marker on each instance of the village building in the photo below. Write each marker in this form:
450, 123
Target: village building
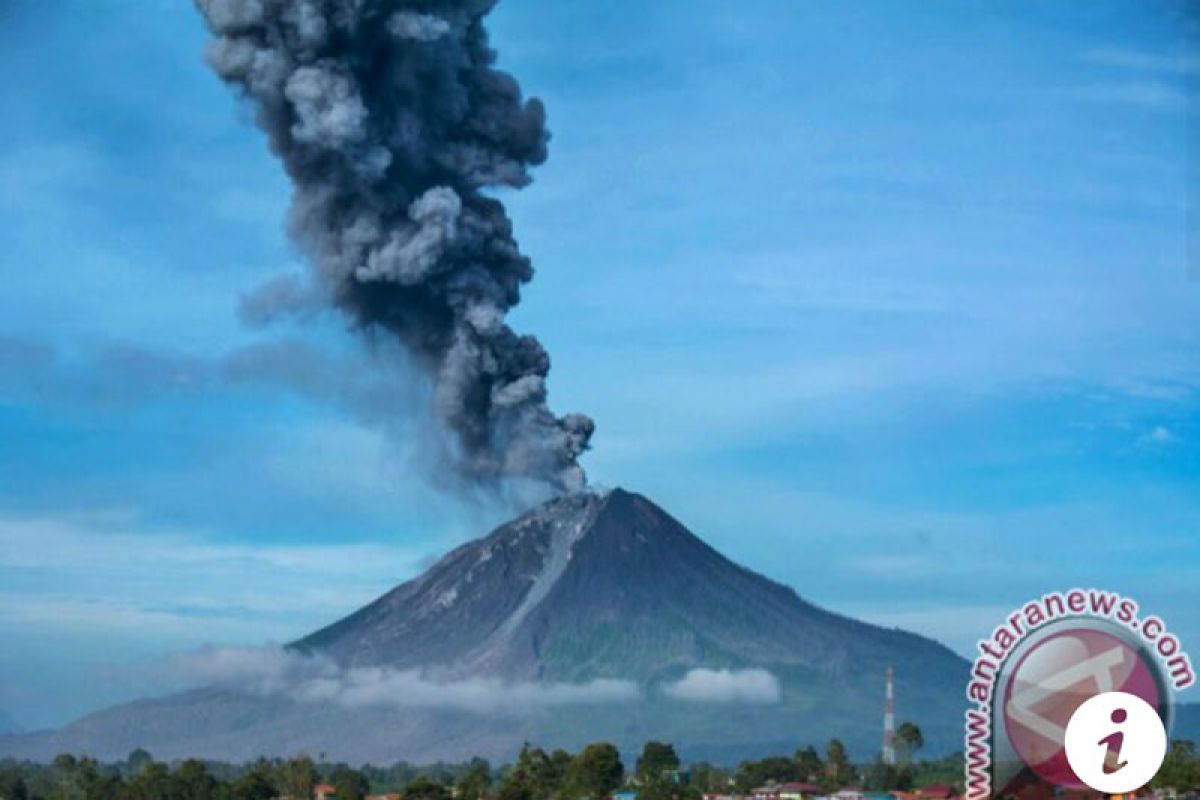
850, 793
798, 791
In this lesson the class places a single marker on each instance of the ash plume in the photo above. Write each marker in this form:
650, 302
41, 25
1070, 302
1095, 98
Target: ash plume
392, 121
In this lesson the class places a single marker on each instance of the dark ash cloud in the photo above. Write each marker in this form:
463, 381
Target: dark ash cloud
392, 122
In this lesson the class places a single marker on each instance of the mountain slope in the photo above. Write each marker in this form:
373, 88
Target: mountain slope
546, 596
466, 600
585, 587
8, 724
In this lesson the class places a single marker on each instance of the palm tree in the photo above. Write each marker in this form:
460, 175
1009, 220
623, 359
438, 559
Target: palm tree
909, 737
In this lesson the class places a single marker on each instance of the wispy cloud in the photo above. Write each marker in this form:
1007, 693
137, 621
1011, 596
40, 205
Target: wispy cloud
725, 686
372, 387
1148, 95
1143, 61
109, 570
116, 538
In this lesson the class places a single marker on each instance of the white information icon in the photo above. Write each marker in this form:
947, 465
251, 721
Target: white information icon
1115, 742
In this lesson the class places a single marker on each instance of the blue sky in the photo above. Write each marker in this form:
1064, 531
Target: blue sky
888, 301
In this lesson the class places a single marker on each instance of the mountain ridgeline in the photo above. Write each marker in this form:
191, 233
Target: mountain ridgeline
594, 586
586, 587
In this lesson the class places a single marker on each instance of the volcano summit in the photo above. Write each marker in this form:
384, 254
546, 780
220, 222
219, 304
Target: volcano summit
587, 592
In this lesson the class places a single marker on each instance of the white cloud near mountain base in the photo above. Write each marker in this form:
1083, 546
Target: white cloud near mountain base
315, 679
725, 686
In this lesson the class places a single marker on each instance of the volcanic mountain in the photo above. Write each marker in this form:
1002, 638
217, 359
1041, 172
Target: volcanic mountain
587, 587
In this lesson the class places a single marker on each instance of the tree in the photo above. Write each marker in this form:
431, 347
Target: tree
519, 782
81, 779
909, 737
552, 774
351, 785
657, 787
192, 781
1180, 769
808, 764
419, 788
595, 772
709, 779
536, 775
13, 787
838, 769
257, 784
888, 777
516, 784
65, 787
657, 759
137, 759
297, 778
476, 781
152, 782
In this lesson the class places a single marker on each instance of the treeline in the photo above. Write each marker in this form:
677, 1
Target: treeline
594, 772
141, 777
1180, 769
833, 770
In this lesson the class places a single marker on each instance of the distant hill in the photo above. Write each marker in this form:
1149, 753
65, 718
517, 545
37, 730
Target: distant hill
1187, 722
585, 587
8, 724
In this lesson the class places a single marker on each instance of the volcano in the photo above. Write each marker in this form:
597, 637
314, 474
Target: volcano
587, 587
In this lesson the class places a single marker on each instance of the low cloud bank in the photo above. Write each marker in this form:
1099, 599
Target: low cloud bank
315, 679
276, 671
725, 686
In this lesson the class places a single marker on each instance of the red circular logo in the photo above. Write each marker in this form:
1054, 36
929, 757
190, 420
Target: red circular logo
1053, 679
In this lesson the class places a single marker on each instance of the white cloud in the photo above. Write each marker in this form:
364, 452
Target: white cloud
115, 538
1159, 435
725, 686
314, 679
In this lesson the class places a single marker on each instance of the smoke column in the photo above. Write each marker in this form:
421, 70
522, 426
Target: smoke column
391, 121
